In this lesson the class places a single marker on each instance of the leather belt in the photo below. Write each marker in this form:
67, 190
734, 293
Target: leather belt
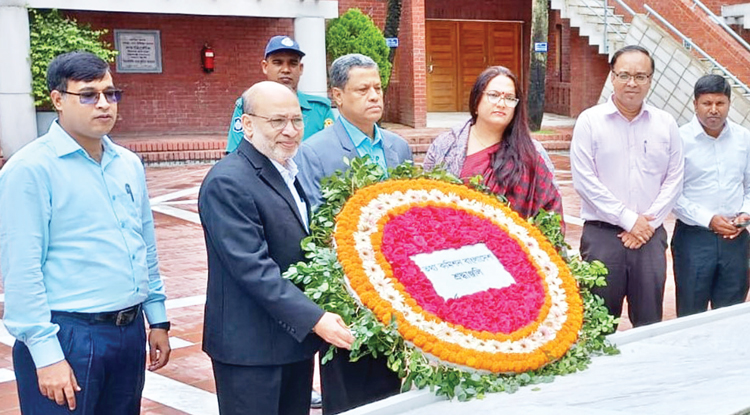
122, 317
603, 225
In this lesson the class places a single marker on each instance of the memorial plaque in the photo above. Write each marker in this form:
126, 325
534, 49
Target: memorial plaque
139, 51
470, 269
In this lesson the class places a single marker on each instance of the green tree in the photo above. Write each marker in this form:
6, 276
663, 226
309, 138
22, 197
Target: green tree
355, 32
53, 34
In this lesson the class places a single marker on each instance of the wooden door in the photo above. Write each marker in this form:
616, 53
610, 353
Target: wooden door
442, 58
504, 41
458, 51
472, 38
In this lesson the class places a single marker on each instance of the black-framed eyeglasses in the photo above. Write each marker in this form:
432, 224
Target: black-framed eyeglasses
113, 96
639, 78
279, 123
494, 97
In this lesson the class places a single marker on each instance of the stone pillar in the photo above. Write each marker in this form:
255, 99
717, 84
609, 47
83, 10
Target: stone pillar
17, 114
310, 33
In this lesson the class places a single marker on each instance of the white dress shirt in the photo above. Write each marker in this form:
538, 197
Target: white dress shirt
623, 168
288, 173
717, 173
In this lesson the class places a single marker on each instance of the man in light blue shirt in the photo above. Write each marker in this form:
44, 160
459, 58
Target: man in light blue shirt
355, 85
78, 255
366, 146
710, 244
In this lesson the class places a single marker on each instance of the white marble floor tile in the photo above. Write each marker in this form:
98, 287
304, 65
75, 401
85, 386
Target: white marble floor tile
180, 396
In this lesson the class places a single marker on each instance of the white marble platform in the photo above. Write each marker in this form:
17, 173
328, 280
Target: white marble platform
694, 365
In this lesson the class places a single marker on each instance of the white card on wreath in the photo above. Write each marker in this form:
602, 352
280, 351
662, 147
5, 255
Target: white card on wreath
467, 270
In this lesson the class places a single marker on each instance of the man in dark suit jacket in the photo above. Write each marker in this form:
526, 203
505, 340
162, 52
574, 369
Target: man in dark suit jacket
259, 327
356, 89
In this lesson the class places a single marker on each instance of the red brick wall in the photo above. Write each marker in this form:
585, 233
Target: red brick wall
695, 24
183, 99
715, 5
582, 69
588, 73
376, 9
479, 9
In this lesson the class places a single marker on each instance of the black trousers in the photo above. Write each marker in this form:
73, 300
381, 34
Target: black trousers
264, 390
346, 385
636, 274
708, 269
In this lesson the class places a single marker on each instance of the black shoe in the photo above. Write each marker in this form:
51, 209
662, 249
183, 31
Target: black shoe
316, 401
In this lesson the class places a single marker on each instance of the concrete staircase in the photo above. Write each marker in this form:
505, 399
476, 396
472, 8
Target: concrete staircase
677, 68
736, 14
601, 25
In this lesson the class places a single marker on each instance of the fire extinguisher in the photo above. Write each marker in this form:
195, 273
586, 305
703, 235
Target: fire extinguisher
207, 58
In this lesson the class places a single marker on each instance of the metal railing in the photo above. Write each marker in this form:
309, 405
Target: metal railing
603, 18
720, 21
697, 48
627, 9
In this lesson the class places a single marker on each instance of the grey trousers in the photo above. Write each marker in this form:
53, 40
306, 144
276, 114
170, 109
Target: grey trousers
636, 274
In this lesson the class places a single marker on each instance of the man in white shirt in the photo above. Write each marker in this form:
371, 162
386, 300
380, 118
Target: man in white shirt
626, 160
710, 245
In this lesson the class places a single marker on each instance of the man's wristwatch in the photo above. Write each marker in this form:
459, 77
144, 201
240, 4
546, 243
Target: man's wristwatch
165, 325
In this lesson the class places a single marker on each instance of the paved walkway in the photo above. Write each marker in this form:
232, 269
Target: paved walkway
186, 385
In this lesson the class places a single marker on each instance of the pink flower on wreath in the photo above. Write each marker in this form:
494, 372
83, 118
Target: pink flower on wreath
429, 229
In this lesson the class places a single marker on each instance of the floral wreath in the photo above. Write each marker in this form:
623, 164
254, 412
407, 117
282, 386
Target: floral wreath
487, 341
514, 329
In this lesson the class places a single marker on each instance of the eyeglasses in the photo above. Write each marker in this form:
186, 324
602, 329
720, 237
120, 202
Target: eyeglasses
280, 123
112, 96
494, 97
624, 77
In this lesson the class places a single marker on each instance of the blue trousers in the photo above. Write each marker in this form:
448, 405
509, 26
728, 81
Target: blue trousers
108, 362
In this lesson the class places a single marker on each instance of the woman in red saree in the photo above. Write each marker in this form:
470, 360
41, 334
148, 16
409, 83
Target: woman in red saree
496, 143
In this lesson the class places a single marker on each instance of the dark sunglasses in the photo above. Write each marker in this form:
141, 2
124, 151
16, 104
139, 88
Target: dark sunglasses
112, 96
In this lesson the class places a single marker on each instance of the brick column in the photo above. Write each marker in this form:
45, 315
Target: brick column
411, 65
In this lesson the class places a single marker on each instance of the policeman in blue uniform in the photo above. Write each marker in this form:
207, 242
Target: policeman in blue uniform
283, 64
